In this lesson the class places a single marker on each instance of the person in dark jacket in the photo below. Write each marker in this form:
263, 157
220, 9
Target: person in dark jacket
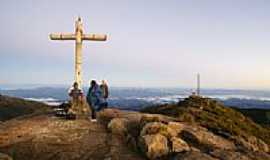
93, 97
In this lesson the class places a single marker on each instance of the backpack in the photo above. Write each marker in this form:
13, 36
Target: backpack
105, 91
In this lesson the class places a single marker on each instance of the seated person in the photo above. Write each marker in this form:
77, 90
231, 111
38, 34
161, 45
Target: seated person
75, 92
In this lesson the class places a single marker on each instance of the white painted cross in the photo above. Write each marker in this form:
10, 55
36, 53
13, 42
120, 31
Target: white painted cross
78, 36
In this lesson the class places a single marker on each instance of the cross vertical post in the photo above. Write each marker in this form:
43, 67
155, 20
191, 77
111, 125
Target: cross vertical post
78, 52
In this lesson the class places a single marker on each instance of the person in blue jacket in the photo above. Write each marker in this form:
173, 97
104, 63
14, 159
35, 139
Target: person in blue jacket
94, 97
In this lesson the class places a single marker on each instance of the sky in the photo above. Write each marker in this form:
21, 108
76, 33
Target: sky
153, 43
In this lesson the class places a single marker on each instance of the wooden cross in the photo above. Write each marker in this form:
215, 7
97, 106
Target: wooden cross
78, 36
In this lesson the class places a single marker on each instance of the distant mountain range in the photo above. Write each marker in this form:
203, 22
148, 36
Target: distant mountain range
137, 98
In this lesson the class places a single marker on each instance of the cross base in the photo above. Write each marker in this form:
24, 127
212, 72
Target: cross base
80, 109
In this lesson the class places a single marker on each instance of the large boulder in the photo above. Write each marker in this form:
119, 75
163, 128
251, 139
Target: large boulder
204, 139
179, 145
172, 129
154, 145
147, 118
118, 126
154, 128
109, 113
176, 126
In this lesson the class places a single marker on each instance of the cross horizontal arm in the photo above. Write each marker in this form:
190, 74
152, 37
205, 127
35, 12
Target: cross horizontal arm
94, 37
61, 36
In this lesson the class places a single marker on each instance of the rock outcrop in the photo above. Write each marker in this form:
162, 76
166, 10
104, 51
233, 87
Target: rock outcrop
48, 137
161, 137
128, 135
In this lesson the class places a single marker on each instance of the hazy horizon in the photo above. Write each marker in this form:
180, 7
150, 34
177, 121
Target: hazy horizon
150, 43
191, 88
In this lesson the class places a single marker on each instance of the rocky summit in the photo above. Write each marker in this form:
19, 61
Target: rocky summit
194, 129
